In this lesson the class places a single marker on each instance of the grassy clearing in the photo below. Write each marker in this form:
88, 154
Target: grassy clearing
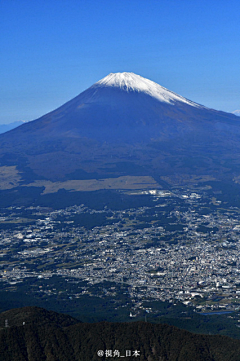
9, 177
124, 182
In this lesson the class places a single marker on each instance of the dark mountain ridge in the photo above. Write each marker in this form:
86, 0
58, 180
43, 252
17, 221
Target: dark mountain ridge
46, 335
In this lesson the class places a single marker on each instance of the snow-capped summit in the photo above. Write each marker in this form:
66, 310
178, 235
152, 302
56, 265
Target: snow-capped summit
123, 119
123, 107
131, 82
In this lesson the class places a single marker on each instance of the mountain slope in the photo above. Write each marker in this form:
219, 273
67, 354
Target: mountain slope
6, 127
122, 103
50, 336
123, 118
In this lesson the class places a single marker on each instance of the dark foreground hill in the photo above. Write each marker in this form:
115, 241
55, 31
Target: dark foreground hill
48, 336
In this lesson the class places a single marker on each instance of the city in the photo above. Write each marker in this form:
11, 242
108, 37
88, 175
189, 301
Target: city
184, 249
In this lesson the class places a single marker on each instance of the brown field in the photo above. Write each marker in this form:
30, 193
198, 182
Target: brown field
9, 177
125, 182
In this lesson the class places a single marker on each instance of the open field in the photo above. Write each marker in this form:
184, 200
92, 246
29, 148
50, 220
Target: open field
124, 182
9, 177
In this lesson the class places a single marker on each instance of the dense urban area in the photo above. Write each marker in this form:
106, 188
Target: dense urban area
184, 247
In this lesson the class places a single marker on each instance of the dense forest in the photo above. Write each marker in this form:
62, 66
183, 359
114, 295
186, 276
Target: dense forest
35, 334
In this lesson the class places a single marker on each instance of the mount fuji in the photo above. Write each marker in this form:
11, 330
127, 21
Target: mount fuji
121, 107
125, 123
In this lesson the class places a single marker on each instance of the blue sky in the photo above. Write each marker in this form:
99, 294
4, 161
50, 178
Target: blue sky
50, 51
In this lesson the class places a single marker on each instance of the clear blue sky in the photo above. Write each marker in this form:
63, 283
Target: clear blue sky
50, 51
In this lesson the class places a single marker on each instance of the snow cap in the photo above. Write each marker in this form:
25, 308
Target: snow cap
131, 82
